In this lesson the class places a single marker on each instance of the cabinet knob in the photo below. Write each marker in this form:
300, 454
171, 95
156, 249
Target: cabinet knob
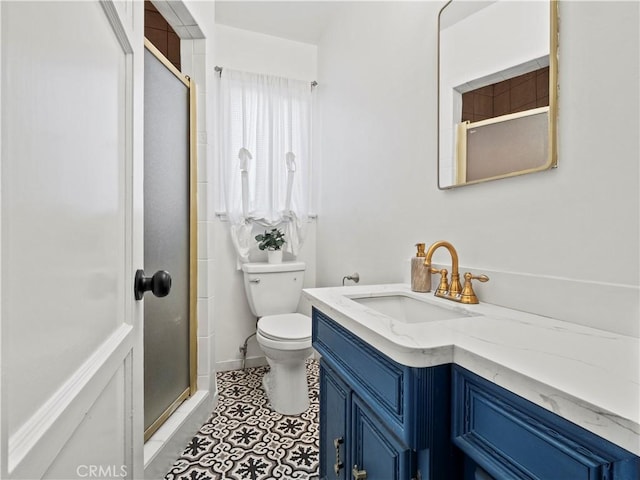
358, 474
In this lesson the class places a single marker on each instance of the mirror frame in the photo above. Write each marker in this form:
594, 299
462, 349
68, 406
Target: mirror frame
552, 160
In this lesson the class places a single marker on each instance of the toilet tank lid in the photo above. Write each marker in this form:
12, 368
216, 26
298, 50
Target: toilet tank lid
264, 267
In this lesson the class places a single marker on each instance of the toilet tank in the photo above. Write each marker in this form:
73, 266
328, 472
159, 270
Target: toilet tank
273, 288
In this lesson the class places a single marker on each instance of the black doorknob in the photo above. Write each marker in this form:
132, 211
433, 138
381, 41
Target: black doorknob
159, 284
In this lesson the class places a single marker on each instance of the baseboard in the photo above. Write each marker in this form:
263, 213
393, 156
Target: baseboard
228, 365
236, 364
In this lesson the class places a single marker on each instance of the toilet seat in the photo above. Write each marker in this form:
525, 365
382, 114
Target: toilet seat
287, 327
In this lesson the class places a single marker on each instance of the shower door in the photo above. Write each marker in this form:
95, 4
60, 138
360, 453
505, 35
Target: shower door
169, 238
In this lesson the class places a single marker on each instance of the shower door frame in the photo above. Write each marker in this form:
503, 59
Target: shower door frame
193, 243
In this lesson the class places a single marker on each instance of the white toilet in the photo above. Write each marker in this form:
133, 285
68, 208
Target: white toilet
273, 292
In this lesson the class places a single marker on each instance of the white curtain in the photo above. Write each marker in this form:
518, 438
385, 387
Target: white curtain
264, 142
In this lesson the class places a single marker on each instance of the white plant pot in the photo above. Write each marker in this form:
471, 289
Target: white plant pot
274, 256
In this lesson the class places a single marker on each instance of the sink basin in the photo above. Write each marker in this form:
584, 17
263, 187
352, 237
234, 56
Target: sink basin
408, 309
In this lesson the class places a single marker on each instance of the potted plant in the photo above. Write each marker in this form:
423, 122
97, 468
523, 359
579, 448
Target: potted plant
272, 242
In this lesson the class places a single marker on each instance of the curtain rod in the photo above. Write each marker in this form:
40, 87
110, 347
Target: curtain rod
219, 70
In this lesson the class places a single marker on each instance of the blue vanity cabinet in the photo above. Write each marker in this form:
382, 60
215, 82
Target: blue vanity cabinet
390, 420
504, 436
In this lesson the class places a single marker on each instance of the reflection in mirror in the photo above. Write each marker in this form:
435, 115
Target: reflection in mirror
497, 82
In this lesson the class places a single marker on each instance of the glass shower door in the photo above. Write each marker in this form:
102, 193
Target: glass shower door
169, 239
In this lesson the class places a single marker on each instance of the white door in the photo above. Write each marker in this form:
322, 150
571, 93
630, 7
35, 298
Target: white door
71, 83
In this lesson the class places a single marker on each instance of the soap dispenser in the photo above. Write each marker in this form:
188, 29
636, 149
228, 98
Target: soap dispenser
420, 275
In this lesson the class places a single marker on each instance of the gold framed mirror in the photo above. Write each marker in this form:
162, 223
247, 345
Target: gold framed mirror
497, 90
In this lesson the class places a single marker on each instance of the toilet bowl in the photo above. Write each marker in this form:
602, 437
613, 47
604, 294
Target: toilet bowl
286, 342
273, 292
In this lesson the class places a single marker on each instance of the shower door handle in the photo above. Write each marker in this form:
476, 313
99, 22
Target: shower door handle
159, 284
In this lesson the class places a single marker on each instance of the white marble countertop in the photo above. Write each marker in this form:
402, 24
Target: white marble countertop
588, 376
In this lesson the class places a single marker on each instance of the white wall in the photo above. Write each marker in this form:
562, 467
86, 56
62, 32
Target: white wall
562, 243
248, 51
254, 52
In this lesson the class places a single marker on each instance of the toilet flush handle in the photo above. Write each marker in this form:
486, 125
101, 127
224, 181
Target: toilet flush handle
254, 280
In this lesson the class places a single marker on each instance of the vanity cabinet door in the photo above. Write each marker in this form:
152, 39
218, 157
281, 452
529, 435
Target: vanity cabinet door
509, 437
335, 398
374, 449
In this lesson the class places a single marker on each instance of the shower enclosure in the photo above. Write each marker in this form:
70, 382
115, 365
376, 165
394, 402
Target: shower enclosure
170, 224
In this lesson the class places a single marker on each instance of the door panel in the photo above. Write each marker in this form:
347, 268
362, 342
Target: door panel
64, 215
105, 417
71, 342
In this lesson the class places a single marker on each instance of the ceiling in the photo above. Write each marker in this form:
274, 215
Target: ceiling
301, 21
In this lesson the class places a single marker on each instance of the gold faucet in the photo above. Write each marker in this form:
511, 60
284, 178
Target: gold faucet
455, 287
453, 291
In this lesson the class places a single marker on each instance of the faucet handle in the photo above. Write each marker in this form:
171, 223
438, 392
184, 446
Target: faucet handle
443, 287
481, 278
468, 295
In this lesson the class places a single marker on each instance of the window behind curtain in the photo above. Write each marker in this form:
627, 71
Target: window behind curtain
268, 117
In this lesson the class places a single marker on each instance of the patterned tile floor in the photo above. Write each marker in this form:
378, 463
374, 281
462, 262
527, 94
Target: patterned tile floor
244, 439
